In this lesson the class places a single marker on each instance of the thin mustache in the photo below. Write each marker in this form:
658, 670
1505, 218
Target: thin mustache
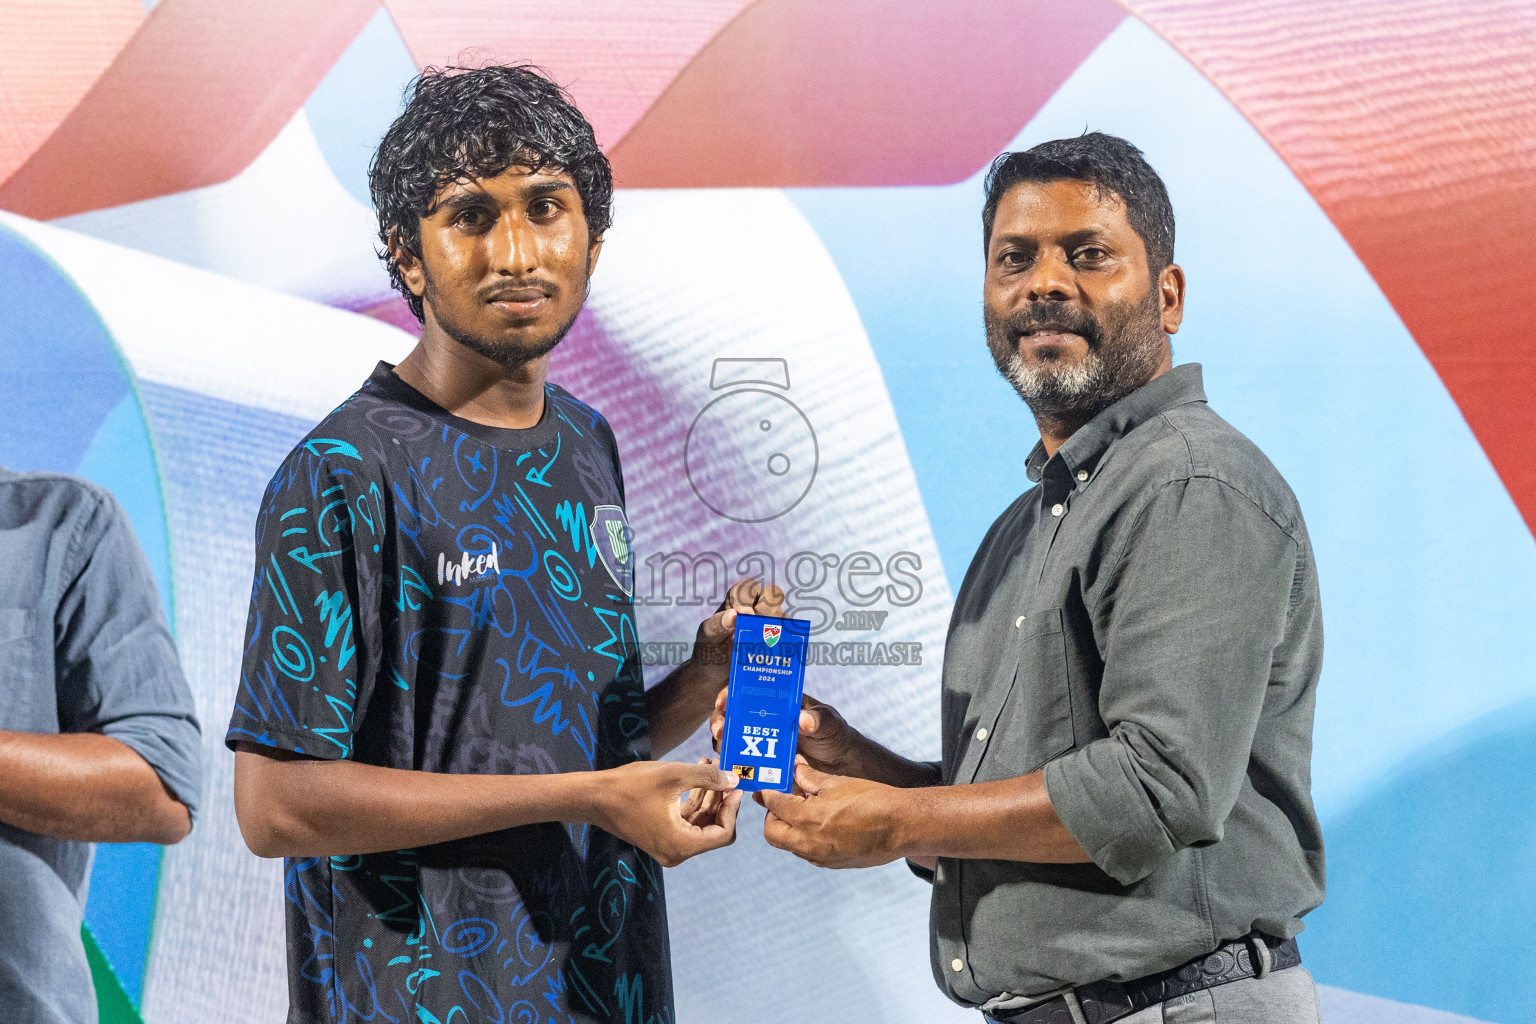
502, 288
1082, 325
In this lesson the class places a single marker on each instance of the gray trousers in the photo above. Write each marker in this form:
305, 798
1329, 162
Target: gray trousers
1284, 997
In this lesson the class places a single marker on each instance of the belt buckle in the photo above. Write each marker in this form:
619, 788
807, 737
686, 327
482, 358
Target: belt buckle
1068, 1008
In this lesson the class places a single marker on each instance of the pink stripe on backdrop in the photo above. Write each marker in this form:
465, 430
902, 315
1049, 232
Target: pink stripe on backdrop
615, 56
50, 54
861, 92
1413, 123
193, 98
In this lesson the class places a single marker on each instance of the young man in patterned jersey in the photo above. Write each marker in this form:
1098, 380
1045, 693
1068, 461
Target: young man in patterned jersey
441, 722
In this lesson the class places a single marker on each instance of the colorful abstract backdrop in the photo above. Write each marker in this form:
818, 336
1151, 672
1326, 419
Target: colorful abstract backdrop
188, 281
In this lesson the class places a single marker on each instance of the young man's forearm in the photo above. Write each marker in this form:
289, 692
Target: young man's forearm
292, 806
85, 787
680, 703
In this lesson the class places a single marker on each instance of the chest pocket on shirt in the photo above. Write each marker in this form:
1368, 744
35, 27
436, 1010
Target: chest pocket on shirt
28, 688
1035, 723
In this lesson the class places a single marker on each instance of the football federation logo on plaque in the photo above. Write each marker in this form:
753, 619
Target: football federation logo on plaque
771, 634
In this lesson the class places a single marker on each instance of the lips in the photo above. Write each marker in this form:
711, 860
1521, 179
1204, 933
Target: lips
519, 302
1054, 327
516, 295
1050, 335
1042, 336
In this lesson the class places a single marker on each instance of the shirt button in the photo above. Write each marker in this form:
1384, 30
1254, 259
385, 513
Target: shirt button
981, 733
1082, 476
1058, 508
957, 964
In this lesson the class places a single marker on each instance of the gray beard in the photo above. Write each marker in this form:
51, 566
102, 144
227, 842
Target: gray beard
1069, 395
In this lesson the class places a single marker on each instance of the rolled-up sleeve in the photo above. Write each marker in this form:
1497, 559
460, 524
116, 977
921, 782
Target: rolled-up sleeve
1195, 605
117, 668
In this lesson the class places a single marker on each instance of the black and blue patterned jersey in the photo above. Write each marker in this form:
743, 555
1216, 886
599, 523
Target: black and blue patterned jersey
438, 595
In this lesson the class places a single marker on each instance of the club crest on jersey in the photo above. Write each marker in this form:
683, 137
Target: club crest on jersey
610, 539
771, 634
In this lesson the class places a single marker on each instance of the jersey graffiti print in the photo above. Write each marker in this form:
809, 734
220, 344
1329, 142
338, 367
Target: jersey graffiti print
437, 595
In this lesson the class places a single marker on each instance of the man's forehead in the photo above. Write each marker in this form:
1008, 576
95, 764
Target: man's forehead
1062, 205
519, 179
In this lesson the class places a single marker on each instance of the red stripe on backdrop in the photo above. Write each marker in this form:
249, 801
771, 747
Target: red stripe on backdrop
861, 92
192, 99
49, 56
615, 56
1413, 124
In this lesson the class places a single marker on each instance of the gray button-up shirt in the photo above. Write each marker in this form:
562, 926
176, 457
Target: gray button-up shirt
1144, 625
83, 648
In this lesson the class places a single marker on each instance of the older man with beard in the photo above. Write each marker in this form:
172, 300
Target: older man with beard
1121, 827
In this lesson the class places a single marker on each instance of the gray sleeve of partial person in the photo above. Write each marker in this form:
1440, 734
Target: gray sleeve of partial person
116, 665
1197, 603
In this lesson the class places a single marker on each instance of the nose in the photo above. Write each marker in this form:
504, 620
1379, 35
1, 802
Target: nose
514, 246
1051, 278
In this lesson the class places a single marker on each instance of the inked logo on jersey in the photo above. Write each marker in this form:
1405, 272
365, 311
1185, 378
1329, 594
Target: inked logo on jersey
467, 567
610, 539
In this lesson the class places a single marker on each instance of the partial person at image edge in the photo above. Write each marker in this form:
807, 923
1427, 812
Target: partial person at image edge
99, 740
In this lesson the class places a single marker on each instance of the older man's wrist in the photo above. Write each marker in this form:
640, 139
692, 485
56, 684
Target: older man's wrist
906, 813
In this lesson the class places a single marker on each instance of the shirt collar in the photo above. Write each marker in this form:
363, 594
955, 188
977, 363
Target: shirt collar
1179, 386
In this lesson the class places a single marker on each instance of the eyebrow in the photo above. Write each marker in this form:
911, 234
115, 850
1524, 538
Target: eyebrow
1013, 238
1069, 241
472, 197
545, 188
463, 201
1075, 238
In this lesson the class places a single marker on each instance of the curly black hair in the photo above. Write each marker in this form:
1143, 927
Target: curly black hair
466, 123
1109, 164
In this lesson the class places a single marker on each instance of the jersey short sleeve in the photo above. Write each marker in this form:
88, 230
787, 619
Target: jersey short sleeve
304, 676
606, 432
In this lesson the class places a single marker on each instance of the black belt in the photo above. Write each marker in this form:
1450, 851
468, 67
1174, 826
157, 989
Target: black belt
1105, 1001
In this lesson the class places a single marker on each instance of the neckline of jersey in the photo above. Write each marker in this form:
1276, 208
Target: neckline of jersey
506, 438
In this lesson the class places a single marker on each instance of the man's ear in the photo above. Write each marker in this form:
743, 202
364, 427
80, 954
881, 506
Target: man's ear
594, 249
408, 263
1170, 293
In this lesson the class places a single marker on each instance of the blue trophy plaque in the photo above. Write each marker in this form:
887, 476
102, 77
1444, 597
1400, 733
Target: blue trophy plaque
762, 711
